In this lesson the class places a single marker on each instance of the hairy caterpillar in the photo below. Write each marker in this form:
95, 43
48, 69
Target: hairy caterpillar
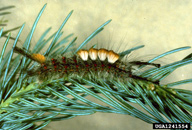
102, 63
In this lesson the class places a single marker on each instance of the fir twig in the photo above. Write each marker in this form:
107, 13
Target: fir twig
25, 102
3, 22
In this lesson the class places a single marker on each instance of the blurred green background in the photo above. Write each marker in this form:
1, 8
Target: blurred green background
160, 25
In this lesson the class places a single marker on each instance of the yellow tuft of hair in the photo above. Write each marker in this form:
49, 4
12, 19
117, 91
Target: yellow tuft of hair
38, 57
83, 54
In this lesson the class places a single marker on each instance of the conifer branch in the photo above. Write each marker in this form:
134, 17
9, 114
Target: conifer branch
24, 101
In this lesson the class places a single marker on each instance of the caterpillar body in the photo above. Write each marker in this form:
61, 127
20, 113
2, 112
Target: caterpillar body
100, 63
